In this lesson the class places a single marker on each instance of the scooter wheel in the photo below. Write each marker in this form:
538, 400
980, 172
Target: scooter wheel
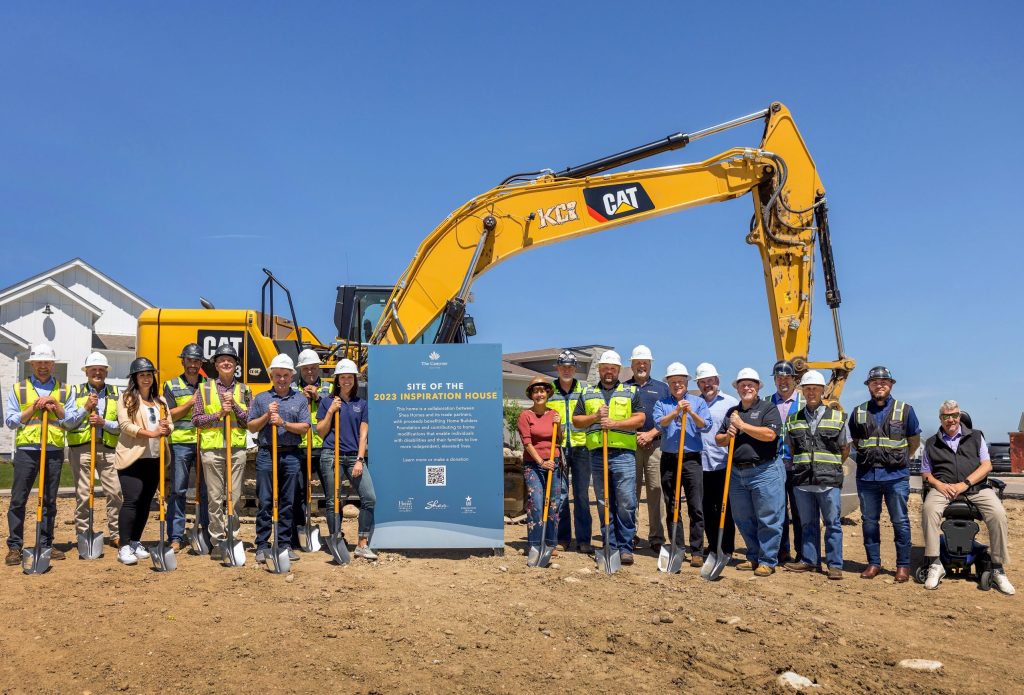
920, 574
985, 580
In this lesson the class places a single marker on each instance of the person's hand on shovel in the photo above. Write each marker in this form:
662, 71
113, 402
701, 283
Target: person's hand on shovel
275, 418
164, 428
735, 425
227, 404
602, 417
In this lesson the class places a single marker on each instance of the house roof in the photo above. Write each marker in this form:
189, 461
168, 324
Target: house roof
23, 290
123, 343
73, 263
552, 352
514, 370
14, 338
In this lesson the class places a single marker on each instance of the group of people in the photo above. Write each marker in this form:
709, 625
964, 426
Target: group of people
784, 454
203, 421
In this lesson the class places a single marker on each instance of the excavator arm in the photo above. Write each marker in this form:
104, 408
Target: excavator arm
533, 210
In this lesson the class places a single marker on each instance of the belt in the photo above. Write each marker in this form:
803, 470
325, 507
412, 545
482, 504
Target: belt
687, 455
751, 465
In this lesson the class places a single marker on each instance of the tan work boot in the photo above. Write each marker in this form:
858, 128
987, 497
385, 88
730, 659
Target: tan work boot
13, 557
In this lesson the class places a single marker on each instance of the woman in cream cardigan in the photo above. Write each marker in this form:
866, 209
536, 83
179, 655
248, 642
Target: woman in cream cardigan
138, 453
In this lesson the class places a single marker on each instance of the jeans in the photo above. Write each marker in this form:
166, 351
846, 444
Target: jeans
621, 495
26, 469
648, 475
363, 485
536, 485
792, 519
757, 496
578, 470
713, 483
287, 476
183, 458
138, 485
299, 503
895, 493
829, 505
693, 489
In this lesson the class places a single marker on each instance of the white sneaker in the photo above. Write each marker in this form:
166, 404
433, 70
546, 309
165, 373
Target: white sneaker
935, 574
140, 550
364, 552
1001, 583
125, 555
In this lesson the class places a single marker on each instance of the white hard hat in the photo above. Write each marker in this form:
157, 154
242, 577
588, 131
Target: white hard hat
642, 352
282, 361
308, 357
345, 367
676, 369
610, 357
41, 353
812, 378
746, 374
705, 370
96, 359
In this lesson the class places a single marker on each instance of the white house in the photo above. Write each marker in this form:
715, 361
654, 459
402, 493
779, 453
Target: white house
76, 309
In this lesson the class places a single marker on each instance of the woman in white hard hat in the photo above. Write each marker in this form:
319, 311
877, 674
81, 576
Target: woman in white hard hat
352, 434
537, 426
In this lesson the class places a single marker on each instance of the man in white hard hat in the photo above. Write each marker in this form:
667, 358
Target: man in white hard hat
668, 414
713, 459
26, 402
312, 387
648, 444
96, 401
286, 409
613, 408
817, 443
757, 483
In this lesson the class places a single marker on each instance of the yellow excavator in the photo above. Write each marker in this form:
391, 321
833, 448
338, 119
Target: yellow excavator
428, 302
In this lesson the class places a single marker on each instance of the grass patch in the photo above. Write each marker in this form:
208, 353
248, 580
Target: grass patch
67, 478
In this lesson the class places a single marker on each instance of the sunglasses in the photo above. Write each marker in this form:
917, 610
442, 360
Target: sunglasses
949, 416
152, 414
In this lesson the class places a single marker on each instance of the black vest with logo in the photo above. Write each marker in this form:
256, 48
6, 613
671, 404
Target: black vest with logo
876, 445
954, 466
817, 456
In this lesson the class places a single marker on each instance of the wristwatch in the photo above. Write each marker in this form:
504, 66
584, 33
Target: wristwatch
360, 459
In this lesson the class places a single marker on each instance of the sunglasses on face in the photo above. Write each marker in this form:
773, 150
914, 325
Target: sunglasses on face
950, 416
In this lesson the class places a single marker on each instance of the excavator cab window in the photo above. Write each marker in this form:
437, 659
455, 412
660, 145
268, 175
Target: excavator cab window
359, 308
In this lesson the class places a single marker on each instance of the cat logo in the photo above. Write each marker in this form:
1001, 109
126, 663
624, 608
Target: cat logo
558, 214
606, 203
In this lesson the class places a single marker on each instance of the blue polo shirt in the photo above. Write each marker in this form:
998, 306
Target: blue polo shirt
350, 417
292, 407
650, 393
670, 435
881, 413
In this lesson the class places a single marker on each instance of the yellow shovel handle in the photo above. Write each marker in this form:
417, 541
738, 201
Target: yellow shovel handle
42, 464
679, 469
604, 450
163, 446
273, 453
725, 495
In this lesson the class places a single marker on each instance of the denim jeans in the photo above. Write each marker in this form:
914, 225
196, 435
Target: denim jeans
287, 476
792, 519
26, 470
536, 484
363, 485
621, 495
578, 469
757, 497
829, 505
895, 493
183, 458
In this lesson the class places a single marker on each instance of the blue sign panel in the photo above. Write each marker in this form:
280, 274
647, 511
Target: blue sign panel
436, 446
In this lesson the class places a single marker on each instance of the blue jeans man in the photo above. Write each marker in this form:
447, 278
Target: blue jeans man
757, 497
621, 496
183, 459
287, 478
895, 493
578, 468
827, 505
363, 485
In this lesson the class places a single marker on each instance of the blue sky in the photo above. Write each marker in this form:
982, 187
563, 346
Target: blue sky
180, 147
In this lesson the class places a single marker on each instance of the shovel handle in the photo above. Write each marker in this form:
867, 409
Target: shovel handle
309, 459
604, 452
725, 494
273, 464
679, 469
227, 450
92, 463
551, 474
42, 463
163, 454
337, 419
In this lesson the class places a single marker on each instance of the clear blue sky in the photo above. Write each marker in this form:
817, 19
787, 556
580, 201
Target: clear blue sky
180, 147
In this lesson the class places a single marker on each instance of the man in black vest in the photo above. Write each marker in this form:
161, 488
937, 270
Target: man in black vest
956, 462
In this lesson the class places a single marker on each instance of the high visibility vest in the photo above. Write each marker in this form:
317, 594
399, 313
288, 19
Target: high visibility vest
83, 435
213, 437
184, 432
620, 407
31, 433
882, 446
817, 456
564, 405
325, 392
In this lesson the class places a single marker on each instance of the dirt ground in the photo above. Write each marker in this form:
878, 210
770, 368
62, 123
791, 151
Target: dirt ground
462, 622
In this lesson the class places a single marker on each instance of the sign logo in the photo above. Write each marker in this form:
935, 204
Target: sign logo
605, 203
435, 504
405, 505
434, 355
558, 214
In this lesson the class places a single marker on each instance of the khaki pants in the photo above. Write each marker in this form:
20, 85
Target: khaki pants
214, 474
992, 513
648, 474
79, 456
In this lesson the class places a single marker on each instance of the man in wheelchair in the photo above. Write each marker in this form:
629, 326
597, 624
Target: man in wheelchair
955, 466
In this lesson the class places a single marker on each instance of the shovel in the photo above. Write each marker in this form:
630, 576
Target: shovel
335, 539
280, 563
37, 560
309, 535
90, 544
234, 552
717, 561
607, 557
163, 556
196, 533
671, 560
541, 557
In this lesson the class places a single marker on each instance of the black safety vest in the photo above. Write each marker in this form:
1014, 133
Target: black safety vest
882, 446
954, 466
817, 456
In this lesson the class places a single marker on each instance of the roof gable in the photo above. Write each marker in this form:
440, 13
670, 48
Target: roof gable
23, 290
15, 290
14, 338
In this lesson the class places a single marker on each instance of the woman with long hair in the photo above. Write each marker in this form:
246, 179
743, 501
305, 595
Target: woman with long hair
137, 455
352, 435
537, 427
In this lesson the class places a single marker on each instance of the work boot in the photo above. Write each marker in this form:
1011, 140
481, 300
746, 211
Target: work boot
902, 575
871, 571
746, 566
585, 548
764, 571
1001, 583
696, 560
217, 553
175, 546
935, 574
56, 554
835, 573
13, 557
655, 547
799, 567
115, 542
293, 556
626, 558
261, 557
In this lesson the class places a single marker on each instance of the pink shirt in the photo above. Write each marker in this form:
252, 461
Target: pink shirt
537, 430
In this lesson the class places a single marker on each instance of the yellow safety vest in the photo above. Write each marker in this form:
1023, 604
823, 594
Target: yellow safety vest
213, 437
31, 433
564, 405
620, 407
183, 432
83, 435
325, 392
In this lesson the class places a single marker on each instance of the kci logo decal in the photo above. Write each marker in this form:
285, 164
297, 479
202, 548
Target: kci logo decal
558, 214
612, 202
